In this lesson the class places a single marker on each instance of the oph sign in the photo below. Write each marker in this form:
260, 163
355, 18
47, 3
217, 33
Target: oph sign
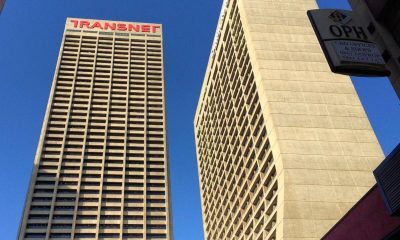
115, 26
346, 44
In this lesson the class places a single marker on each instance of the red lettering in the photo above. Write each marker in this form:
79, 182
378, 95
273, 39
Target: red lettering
132, 27
75, 22
154, 28
116, 26
96, 25
110, 26
145, 28
84, 24
121, 27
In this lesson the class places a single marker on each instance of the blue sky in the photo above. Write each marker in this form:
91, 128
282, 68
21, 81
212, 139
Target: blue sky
30, 36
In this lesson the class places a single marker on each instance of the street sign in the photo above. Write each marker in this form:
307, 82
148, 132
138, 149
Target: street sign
346, 43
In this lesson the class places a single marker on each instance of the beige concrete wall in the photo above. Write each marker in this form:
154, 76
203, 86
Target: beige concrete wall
293, 169
322, 141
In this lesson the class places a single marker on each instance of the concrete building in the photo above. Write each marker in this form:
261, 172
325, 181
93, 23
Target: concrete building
284, 146
101, 168
382, 19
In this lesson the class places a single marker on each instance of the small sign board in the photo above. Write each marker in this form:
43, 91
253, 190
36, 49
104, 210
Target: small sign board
346, 43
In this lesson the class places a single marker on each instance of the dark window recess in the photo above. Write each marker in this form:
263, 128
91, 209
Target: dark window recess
64, 208
35, 235
40, 208
59, 199
110, 217
156, 236
156, 226
110, 208
109, 226
156, 217
61, 226
133, 217
63, 217
132, 235
60, 235
133, 226
109, 235
85, 235
155, 209
85, 226
71, 191
38, 216
37, 225
91, 217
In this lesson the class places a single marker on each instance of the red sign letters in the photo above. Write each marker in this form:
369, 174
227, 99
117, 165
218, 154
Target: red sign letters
144, 28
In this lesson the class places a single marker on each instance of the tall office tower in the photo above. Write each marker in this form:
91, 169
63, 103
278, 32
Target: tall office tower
101, 169
284, 146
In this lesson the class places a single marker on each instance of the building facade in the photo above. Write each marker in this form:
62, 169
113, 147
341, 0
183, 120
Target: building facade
101, 167
284, 147
382, 19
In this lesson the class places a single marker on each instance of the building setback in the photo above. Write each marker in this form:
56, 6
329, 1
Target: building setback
101, 168
284, 146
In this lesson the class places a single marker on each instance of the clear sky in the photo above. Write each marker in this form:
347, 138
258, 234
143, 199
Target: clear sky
30, 37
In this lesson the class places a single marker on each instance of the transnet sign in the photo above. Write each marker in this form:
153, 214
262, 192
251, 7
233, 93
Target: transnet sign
124, 27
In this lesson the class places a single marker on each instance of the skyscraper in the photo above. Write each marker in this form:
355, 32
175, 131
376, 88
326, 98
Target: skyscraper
101, 168
284, 146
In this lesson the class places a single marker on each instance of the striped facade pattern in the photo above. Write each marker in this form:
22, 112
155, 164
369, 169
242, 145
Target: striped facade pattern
101, 169
284, 147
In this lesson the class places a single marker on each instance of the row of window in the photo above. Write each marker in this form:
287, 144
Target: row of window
42, 216
103, 51
99, 162
113, 99
94, 217
94, 191
107, 200
138, 90
107, 44
91, 183
96, 208
135, 84
92, 235
106, 176
108, 147
92, 39
94, 226
110, 126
